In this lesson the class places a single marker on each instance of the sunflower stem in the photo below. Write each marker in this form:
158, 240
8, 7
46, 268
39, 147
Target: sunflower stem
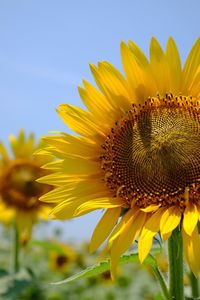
15, 249
162, 282
194, 285
175, 252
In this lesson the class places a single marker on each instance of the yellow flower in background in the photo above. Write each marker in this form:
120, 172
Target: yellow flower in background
63, 260
136, 154
106, 278
19, 192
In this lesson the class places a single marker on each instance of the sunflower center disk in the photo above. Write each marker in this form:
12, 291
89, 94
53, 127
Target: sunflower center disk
152, 154
62, 260
18, 185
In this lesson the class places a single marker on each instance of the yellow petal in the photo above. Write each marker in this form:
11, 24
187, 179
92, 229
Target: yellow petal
126, 219
190, 218
174, 63
191, 65
194, 87
98, 204
79, 120
7, 214
76, 207
125, 240
57, 194
68, 145
150, 229
144, 246
192, 250
152, 225
170, 220
104, 227
159, 67
150, 208
21, 146
95, 101
139, 55
108, 84
156, 52
44, 212
166, 236
66, 210
58, 179
3, 153
114, 81
54, 165
88, 188
139, 79
43, 152
77, 166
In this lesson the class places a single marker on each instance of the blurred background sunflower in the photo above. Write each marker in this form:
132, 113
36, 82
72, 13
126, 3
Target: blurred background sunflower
19, 192
62, 260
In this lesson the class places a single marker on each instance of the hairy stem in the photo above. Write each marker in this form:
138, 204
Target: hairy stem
175, 252
15, 249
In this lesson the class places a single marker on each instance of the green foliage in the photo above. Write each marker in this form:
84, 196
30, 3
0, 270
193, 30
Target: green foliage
105, 265
11, 286
192, 298
46, 245
134, 281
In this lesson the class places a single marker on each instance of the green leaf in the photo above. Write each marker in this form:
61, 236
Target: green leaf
12, 285
191, 298
159, 297
3, 273
47, 245
105, 265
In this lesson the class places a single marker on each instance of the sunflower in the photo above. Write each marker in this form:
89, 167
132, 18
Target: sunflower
19, 192
62, 261
135, 153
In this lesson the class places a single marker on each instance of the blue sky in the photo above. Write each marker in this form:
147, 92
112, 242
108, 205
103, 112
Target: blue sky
46, 47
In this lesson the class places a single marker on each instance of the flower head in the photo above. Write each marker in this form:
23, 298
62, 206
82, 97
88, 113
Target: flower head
62, 260
136, 154
19, 192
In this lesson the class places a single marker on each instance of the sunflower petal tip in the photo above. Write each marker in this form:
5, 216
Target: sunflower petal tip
52, 216
91, 248
113, 273
141, 258
130, 42
123, 45
92, 66
195, 271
